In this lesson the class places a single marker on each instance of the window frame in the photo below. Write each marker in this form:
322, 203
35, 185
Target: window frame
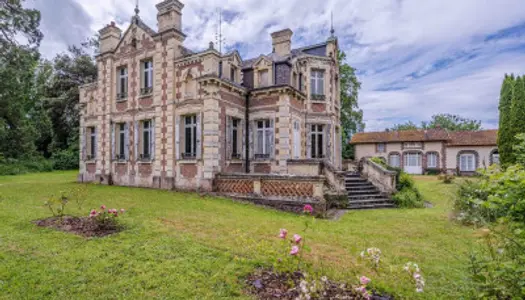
260, 77
146, 151
466, 156
92, 149
122, 83
121, 149
435, 160
378, 147
190, 141
317, 141
233, 73
147, 77
390, 156
236, 129
264, 128
317, 82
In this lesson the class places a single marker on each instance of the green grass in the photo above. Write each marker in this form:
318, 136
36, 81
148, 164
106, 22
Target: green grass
183, 246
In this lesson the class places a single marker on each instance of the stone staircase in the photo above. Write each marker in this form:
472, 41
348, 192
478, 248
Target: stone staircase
362, 194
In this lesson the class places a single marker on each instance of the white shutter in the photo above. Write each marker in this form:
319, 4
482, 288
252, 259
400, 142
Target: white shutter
199, 136
83, 142
126, 141
136, 141
177, 137
152, 139
112, 141
229, 137
272, 138
95, 155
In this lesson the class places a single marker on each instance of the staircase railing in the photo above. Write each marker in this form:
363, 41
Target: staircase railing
382, 178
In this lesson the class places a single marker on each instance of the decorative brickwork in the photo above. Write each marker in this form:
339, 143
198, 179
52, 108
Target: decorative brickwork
91, 168
235, 168
232, 98
145, 101
122, 106
145, 170
263, 101
318, 107
121, 168
188, 171
287, 189
262, 168
237, 186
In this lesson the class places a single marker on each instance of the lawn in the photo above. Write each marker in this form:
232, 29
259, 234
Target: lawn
184, 246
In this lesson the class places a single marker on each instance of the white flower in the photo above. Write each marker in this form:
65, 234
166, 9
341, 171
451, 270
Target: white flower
419, 290
324, 279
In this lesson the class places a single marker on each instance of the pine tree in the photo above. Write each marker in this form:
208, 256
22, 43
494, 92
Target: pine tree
505, 137
518, 107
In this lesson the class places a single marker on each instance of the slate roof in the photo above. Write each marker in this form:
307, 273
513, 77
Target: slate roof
460, 138
273, 57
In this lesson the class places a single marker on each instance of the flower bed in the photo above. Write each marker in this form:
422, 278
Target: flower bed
84, 226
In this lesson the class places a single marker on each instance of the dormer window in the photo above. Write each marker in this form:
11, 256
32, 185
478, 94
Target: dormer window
263, 78
233, 72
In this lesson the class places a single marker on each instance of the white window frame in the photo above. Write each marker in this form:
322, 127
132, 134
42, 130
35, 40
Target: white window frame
316, 133
264, 129
432, 160
121, 147
147, 77
147, 147
235, 129
92, 143
192, 139
122, 84
397, 163
317, 82
381, 148
467, 162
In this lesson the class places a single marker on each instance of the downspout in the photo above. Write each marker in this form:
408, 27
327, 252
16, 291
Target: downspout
247, 132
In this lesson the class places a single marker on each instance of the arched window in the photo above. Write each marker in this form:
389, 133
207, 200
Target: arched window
494, 157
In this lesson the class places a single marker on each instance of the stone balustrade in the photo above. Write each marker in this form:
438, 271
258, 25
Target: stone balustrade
382, 178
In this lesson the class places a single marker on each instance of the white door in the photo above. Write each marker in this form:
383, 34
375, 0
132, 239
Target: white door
412, 163
296, 140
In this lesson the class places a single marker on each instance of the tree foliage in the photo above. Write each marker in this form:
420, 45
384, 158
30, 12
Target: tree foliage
445, 121
351, 115
505, 132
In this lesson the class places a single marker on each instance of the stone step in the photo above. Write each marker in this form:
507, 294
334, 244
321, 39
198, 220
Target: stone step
365, 196
363, 192
370, 201
352, 175
355, 179
371, 206
361, 187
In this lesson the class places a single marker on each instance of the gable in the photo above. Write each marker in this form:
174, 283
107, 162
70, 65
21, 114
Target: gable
140, 32
262, 62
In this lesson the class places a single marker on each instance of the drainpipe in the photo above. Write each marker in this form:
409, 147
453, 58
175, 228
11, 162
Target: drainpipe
247, 132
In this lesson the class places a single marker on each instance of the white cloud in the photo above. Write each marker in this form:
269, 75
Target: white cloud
387, 40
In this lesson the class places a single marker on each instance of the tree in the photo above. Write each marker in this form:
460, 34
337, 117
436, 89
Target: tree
449, 122
506, 131
351, 115
518, 107
17, 22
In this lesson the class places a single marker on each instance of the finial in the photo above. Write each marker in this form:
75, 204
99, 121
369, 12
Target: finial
332, 31
137, 8
211, 46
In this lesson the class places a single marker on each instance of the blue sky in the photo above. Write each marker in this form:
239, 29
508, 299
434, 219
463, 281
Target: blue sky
414, 58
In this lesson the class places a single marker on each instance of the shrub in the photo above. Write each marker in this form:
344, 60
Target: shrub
106, 218
433, 172
446, 178
408, 198
12, 166
65, 160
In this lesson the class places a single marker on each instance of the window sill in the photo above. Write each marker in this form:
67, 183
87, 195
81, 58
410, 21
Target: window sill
145, 161
90, 161
120, 161
145, 95
261, 160
122, 100
187, 161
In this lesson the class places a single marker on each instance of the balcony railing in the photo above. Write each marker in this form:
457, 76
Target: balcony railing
146, 91
122, 96
318, 97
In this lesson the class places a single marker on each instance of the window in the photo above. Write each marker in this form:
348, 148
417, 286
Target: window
301, 82
393, 160
263, 78
412, 160
147, 77
381, 148
317, 141
146, 143
122, 84
294, 81
92, 143
236, 138
233, 71
190, 137
432, 160
121, 138
467, 162
220, 69
317, 84
413, 145
264, 139
495, 158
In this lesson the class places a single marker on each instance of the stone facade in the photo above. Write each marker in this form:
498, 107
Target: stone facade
162, 116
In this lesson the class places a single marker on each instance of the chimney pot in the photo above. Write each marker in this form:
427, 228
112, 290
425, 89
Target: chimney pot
282, 42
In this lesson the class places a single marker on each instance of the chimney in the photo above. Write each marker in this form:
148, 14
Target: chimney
169, 15
282, 42
109, 37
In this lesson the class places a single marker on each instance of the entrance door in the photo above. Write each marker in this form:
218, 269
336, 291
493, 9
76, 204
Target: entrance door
412, 163
296, 140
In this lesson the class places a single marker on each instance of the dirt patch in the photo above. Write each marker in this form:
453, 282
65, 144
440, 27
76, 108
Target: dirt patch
84, 226
266, 284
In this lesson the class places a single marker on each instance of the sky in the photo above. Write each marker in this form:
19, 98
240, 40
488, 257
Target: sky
414, 58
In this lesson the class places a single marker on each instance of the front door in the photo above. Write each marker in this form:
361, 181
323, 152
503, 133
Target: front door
412, 163
296, 140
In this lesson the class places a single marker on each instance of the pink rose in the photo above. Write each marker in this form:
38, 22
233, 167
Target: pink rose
308, 209
103, 207
283, 232
297, 238
364, 280
294, 250
122, 210
114, 211
92, 213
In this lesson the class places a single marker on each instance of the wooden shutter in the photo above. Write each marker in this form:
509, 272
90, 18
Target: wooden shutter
229, 137
126, 141
272, 138
136, 138
177, 137
113, 141
199, 136
152, 139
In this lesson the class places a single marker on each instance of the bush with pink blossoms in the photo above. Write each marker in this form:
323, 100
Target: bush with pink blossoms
372, 255
415, 275
106, 217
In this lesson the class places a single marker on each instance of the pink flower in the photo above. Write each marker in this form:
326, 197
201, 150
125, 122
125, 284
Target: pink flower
294, 250
297, 238
103, 207
122, 210
283, 232
364, 280
308, 209
114, 211
417, 276
93, 213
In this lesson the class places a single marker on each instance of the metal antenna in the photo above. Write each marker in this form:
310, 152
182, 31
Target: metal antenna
332, 31
137, 7
218, 35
